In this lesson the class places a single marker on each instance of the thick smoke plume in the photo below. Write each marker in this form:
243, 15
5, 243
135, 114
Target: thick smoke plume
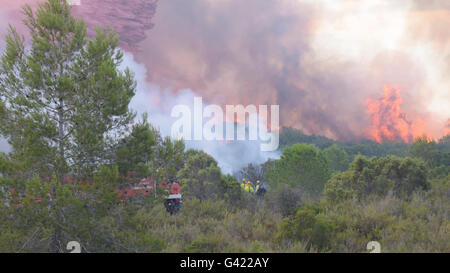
158, 103
129, 18
319, 60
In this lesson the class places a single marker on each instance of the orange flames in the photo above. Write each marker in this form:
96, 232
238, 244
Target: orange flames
388, 120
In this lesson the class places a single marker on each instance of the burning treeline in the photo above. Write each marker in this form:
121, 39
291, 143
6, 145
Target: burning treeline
389, 121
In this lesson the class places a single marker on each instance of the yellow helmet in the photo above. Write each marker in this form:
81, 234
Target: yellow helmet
248, 182
243, 179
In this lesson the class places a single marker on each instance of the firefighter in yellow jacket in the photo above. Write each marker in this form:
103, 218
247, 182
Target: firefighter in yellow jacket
243, 184
248, 187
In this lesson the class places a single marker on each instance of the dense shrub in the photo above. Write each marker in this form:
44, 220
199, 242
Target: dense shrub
378, 176
308, 226
301, 166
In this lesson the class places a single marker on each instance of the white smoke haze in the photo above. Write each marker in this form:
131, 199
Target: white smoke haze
158, 103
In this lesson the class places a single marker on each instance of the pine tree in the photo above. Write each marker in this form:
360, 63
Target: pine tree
63, 99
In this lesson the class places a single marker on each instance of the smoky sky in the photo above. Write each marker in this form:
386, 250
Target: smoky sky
319, 60
264, 52
250, 52
431, 4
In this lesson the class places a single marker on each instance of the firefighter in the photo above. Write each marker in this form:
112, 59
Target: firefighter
248, 187
260, 190
243, 184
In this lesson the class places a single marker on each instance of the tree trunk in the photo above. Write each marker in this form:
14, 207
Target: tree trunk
61, 140
55, 243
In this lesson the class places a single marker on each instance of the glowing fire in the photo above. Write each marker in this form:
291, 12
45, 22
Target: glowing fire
388, 120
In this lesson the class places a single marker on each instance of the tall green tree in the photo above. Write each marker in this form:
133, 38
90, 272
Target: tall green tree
138, 148
63, 101
170, 158
301, 166
337, 157
201, 176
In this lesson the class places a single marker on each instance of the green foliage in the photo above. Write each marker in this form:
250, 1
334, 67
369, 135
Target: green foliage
285, 199
64, 95
170, 157
61, 101
435, 154
144, 153
444, 144
201, 177
337, 157
426, 150
307, 226
378, 176
230, 190
440, 172
300, 166
290, 136
137, 148
209, 244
